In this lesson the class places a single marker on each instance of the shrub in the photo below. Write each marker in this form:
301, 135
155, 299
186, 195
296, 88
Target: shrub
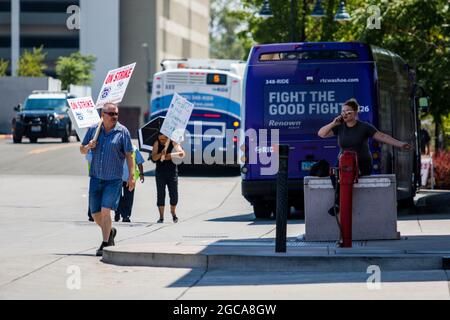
75, 69
442, 170
31, 63
3, 67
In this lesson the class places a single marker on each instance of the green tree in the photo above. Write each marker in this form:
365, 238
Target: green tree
75, 69
3, 67
224, 41
417, 30
31, 64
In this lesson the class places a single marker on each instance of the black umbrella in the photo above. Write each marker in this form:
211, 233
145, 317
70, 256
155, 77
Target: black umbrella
148, 134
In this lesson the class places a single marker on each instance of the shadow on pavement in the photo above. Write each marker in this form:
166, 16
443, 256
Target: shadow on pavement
247, 277
208, 171
202, 171
428, 206
250, 278
250, 217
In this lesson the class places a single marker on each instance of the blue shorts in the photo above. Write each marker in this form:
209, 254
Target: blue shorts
104, 194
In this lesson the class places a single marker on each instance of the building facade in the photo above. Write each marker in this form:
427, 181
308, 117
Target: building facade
117, 32
26, 24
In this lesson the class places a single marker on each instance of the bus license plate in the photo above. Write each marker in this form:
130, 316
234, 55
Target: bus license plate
36, 129
306, 165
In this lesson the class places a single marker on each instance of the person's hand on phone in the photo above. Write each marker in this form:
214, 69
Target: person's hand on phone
338, 120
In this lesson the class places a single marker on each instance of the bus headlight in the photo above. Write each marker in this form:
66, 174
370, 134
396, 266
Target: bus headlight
236, 124
244, 170
376, 167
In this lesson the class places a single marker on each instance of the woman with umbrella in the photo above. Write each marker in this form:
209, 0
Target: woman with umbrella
163, 154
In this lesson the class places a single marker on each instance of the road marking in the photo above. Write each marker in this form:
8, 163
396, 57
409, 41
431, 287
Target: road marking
54, 148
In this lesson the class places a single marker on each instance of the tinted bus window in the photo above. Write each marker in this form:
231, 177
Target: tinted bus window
310, 55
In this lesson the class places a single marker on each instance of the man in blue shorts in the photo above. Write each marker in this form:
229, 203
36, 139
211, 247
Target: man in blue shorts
110, 150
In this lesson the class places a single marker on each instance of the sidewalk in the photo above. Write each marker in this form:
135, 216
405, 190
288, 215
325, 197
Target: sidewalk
423, 246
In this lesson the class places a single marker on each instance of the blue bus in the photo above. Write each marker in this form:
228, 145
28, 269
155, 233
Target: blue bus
215, 88
297, 88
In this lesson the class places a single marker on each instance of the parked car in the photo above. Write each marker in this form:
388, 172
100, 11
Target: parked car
43, 115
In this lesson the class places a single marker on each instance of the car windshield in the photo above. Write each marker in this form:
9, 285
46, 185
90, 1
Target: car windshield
45, 104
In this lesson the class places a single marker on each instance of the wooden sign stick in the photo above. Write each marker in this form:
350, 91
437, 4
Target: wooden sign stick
99, 128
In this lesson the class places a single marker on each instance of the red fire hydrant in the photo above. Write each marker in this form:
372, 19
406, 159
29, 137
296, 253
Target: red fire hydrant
348, 175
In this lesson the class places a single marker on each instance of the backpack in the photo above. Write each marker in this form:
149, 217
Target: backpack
320, 169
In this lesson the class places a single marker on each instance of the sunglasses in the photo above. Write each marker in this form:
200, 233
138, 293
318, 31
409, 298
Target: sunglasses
112, 114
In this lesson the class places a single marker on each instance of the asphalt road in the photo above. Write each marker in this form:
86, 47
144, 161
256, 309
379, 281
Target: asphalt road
44, 235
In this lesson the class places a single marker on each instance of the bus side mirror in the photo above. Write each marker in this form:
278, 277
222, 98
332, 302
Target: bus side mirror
18, 108
424, 104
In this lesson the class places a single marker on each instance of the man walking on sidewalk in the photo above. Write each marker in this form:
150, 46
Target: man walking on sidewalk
110, 150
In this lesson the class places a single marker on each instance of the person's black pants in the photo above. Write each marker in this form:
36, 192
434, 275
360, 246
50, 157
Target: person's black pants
365, 169
170, 180
126, 202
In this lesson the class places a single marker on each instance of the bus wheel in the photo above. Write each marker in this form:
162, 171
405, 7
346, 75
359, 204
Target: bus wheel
262, 211
407, 203
17, 139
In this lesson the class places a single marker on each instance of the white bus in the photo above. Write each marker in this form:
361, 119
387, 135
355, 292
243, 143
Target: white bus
215, 88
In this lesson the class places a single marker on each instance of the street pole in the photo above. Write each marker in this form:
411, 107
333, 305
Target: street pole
294, 10
146, 47
15, 36
303, 22
282, 199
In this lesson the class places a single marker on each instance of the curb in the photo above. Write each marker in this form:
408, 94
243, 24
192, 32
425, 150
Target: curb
281, 262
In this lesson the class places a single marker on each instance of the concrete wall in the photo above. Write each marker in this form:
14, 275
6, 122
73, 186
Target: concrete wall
14, 90
99, 35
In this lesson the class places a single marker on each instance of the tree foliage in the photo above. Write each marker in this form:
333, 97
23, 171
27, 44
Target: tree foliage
31, 63
224, 41
75, 69
417, 30
3, 67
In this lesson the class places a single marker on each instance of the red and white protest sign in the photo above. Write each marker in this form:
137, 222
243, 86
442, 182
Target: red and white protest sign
115, 85
84, 112
83, 115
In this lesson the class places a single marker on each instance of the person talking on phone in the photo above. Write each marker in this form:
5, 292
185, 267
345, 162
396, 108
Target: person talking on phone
353, 135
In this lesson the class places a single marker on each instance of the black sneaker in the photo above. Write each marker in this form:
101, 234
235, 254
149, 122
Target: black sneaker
117, 217
175, 218
160, 221
91, 219
127, 219
99, 252
112, 235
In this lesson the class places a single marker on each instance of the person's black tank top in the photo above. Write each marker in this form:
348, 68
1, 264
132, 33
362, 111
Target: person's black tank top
166, 166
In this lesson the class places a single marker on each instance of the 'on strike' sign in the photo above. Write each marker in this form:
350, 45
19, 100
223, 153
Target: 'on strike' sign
115, 85
84, 112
